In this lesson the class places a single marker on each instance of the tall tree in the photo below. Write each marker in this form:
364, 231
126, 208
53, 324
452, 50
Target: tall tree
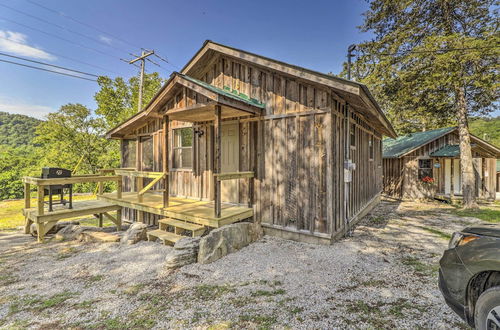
117, 99
74, 136
433, 63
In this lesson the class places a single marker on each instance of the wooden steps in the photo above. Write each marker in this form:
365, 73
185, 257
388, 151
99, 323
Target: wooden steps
166, 237
180, 226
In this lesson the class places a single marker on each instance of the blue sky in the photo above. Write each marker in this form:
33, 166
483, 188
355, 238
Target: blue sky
313, 34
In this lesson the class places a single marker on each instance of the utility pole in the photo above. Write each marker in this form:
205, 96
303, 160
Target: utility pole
141, 58
350, 49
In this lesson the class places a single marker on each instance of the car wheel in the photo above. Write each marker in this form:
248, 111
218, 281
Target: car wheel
487, 311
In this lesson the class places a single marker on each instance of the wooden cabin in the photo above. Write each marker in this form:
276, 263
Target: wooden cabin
238, 135
427, 165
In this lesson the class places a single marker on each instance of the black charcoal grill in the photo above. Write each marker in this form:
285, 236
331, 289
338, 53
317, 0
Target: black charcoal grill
55, 173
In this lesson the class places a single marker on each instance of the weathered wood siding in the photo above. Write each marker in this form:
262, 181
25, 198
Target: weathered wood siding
401, 175
393, 177
296, 150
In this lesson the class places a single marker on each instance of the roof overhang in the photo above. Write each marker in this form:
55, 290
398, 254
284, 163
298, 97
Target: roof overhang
231, 105
355, 94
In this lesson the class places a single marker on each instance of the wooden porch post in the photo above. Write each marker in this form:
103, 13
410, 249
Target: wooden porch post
217, 160
140, 182
452, 188
166, 191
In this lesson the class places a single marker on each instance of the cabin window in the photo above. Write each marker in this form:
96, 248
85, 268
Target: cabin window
371, 147
424, 168
352, 133
128, 153
147, 153
183, 148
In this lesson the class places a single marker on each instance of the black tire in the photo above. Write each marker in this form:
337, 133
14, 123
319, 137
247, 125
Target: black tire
488, 301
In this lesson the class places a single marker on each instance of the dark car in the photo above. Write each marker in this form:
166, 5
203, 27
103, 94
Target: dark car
469, 275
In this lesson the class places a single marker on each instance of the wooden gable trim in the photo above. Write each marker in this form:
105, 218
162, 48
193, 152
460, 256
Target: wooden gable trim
316, 77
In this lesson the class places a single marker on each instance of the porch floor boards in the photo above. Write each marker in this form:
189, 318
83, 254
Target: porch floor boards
186, 209
80, 208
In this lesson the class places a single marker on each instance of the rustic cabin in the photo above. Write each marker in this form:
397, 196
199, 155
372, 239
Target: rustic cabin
236, 136
427, 165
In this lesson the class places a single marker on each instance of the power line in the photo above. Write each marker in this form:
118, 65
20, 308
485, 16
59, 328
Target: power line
42, 69
63, 28
81, 23
100, 31
48, 64
66, 57
61, 38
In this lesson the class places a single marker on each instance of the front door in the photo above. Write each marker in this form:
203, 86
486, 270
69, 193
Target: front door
230, 160
457, 182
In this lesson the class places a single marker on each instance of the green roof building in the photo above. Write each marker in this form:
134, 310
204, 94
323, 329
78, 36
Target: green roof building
427, 165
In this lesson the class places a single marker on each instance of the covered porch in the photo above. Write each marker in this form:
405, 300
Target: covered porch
188, 165
447, 172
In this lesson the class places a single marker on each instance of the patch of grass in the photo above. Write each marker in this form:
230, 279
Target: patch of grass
11, 215
133, 289
374, 283
55, 300
296, 310
419, 266
488, 214
402, 304
242, 301
378, 220
66, 252
267, 293
86, 304
262, 321
437, 232
8, 279
207, 292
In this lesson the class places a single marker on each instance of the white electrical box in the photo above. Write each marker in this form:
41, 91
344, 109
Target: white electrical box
349, 166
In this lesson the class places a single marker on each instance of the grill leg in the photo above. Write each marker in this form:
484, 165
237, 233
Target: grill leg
50, 199
71, 196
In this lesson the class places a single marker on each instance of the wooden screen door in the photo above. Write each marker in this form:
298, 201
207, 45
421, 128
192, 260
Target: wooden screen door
230, 143
457, 182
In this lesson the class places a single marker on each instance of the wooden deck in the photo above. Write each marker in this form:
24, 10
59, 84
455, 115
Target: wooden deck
63, 212
186, 209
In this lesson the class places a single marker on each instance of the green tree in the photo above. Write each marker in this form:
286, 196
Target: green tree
16, 162
433, 63
117, 99
487, 129
17, 130
74, 136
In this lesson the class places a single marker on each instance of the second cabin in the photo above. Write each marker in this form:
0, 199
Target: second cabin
237, 136
427, 165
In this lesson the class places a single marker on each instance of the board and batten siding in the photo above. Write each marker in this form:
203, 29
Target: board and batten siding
401, 174
296, 150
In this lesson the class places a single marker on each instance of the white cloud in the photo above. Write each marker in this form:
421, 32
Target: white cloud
17, 43
106, 39
33, 110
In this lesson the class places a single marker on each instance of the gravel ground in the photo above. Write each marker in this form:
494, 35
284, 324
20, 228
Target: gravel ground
383, 276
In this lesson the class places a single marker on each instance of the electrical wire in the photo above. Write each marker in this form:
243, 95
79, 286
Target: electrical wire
66, 57
48, 64
60, 38
82, 23
64, 28
42, 69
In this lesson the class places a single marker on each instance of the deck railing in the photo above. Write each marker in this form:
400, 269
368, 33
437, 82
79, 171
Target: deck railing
139, 177
42, 183
232, 176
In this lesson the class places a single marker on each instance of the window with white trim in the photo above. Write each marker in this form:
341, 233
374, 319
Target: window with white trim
183, 147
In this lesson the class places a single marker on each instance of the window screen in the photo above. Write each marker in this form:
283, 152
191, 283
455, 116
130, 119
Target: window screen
147, 153
129, 153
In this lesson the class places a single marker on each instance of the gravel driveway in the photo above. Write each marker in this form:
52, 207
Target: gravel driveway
383, 276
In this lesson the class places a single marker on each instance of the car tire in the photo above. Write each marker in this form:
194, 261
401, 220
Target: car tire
487, 309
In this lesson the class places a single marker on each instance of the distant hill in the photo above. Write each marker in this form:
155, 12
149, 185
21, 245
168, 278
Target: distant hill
17, 130
487, 129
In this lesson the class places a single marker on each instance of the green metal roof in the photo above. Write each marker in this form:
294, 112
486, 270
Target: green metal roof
395, 148
449, 150
228, 92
